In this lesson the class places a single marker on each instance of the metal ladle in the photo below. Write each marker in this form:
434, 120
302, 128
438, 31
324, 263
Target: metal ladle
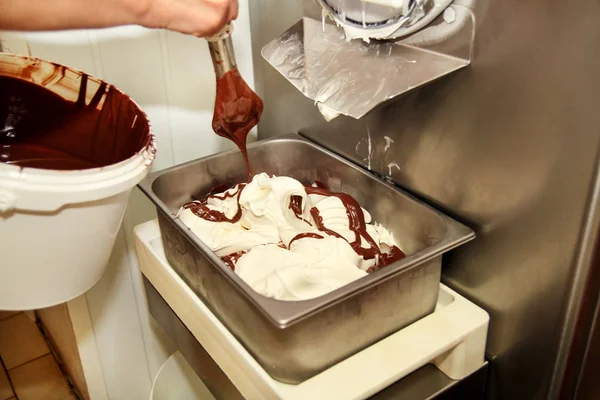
237, 108
221, 51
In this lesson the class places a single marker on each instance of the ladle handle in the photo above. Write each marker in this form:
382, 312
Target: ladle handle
221, 51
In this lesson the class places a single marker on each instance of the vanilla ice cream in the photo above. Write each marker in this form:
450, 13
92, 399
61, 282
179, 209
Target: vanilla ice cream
288, 241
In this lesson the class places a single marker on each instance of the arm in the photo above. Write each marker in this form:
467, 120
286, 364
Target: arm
195, 17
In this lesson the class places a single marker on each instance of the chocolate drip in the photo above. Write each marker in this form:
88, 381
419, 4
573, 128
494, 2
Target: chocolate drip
386, 259
237, 111
304, 235
232, 259
227, 194
201, 210
314, 212
216, 190
320, 185
356, 219
296, 207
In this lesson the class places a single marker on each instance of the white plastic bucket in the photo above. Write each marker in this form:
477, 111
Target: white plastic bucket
176, 380
57, 228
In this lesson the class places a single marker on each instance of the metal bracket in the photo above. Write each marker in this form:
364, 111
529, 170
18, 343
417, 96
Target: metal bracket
353, 77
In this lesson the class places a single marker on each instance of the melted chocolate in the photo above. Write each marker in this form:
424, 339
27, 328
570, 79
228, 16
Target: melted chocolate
356, 219
304, 235
216, 190
355, 214
386, 259
232, 259
41, 129
237, 111
320, 185
296, 207
357, 224
201, 210
314, 212
228, 194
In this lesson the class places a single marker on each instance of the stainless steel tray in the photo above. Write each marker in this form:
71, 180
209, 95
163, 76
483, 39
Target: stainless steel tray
295, 340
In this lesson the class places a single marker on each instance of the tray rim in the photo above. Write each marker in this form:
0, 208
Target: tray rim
284, 314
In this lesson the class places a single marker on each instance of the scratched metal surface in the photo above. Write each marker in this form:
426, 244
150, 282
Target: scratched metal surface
351, 78
507, 145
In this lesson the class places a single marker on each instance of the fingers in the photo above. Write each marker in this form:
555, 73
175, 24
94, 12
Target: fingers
223, 12
200, 18
233, 10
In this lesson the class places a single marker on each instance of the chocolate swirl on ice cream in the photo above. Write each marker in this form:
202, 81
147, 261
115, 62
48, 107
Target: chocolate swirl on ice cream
288, 241
201, 210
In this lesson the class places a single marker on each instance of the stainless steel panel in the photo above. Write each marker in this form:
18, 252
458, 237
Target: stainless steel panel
281, 335
508, 145
351, 78
589, 384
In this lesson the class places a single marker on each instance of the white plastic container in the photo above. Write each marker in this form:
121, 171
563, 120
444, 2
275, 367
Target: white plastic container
58, 227
176, 380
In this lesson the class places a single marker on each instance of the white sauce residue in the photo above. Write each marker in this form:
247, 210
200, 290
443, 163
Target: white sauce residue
328, 113
388, 143
357, 147
392, 166
369, 156
370, 149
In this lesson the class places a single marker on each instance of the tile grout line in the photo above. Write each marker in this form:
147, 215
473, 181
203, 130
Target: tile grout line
12, 316
54, 354
27, 362
51, 351
9, 379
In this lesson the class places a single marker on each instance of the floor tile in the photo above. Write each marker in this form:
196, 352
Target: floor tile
40, 379
30, 314
7, 314
20, 341
5, 389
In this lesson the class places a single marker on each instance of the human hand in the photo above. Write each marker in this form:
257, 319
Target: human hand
194, 17
202, 18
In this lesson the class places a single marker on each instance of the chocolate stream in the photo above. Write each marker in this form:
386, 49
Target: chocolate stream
237, 111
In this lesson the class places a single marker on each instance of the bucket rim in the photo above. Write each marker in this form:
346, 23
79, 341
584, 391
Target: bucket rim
149, 145
22, 186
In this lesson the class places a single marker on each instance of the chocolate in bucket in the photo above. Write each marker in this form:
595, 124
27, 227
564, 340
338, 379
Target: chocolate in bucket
41, 127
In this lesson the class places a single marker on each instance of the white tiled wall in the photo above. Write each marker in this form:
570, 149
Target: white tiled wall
170, 75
